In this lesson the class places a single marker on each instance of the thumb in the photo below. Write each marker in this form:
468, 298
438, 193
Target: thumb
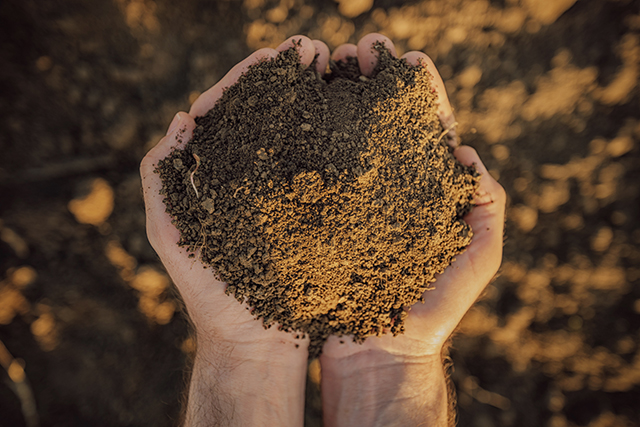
163, 235
487, 216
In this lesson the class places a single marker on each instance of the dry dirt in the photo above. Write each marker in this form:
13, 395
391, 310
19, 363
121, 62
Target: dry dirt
329, 204
548, 95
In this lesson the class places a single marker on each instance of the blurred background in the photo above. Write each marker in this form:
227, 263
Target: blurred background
546, 90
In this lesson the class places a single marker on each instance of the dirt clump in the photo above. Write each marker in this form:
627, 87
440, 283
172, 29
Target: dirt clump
328, 203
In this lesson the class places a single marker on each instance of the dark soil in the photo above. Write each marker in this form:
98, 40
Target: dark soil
552, 108
329, 205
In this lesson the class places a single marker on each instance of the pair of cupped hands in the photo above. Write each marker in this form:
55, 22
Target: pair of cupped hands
225, 329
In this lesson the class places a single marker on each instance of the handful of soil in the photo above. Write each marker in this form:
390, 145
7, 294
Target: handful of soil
328, 204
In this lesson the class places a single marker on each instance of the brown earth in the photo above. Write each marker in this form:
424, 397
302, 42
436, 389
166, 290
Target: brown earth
547, 92
328, 205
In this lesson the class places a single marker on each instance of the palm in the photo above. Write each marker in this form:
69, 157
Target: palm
212, 311
202, 293
429, 325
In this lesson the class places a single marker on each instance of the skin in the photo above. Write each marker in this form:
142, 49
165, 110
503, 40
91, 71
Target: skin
388, 380
246, 375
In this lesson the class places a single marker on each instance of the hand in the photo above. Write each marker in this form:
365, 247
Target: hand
386, 369
269, 366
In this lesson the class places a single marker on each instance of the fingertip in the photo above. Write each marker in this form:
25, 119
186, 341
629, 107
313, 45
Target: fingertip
487, 216
259, 55
207, 100
305, 47
445, 111
174, 123
416, 58
468, 156
368, 56
322, 52
367, 42
179, 133
344, 51
490, 190
161, 233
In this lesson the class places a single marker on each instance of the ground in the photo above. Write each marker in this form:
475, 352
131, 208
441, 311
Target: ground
91, 332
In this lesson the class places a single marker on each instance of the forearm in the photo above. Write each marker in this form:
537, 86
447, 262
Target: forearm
380, 390
232, 387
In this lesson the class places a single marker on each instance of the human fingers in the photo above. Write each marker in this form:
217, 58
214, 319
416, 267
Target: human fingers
208, 99
305, 47
322, 50
487, 216
368, 56
463, 281
445, 112
163, 235
344, 51
430, 324
458, 287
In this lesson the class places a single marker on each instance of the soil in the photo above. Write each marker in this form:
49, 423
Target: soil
329, 205
546, 92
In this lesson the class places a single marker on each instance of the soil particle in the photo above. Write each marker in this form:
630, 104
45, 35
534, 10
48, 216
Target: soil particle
328, 204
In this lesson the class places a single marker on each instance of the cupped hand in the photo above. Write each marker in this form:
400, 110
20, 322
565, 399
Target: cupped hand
428, 325
216, 316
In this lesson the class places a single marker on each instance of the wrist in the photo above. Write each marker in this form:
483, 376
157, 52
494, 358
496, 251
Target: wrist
235, 366
343, 353
378, 363
241, 384
250, 341
377, 388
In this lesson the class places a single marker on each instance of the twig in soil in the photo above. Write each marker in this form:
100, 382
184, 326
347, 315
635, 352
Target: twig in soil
446, 131
236, 192
20, 386
198, 254
195, 156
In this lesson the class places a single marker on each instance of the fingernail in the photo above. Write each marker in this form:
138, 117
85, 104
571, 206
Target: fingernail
174, 123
